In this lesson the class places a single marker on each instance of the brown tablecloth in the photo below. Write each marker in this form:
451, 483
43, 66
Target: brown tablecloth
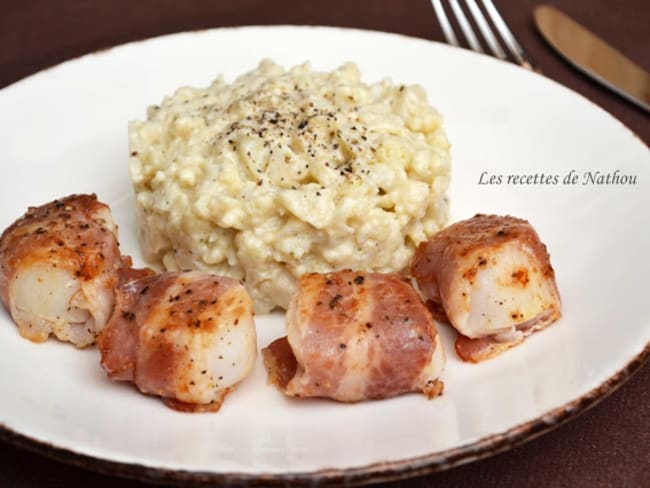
608, 445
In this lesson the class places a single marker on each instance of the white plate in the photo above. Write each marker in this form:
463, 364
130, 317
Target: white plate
65, 130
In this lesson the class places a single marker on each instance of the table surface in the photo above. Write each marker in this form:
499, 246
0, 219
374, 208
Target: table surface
608, 445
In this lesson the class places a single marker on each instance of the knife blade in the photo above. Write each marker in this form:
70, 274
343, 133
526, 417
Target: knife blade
593, 56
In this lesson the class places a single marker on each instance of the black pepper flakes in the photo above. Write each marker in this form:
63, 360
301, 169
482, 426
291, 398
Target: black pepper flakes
128, 315
335, 300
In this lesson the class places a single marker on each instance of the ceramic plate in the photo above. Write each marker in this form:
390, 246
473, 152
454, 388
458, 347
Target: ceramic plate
65, 131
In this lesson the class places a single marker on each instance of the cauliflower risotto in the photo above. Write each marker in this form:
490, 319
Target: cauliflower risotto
280, 173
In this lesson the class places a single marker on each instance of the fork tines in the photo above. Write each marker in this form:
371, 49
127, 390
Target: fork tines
495, 42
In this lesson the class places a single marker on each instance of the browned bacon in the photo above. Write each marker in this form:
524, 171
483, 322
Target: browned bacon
129, 273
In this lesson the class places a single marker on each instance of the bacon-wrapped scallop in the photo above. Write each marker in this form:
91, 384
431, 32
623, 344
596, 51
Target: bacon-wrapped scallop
491, 278
188, 337
355, 336
59, 266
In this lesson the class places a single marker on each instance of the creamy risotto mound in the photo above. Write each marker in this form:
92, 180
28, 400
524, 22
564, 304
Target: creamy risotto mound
281, 173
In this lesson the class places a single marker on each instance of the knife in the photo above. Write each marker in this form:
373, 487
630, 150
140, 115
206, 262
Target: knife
593, 56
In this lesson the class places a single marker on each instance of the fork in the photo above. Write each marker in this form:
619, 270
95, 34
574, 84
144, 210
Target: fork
517, 52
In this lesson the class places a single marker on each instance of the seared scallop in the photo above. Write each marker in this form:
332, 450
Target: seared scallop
355, 336
491, 278
188, 337
59, 266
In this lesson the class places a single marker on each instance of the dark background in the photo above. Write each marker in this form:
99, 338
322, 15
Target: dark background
607, 446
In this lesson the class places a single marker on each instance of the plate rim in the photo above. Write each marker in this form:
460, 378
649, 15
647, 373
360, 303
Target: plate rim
106, 49
381, 471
